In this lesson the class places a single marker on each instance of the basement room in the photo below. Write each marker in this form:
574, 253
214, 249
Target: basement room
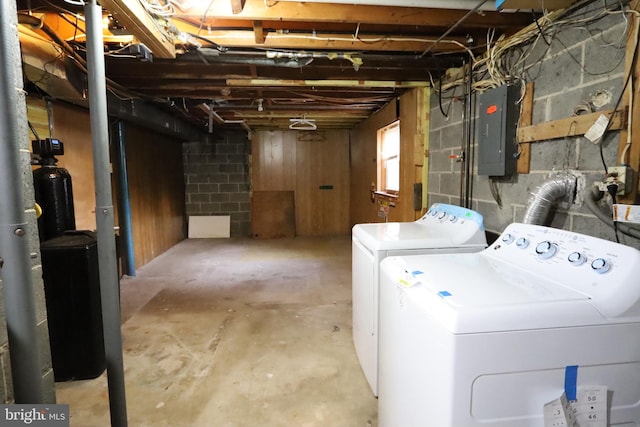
320, 213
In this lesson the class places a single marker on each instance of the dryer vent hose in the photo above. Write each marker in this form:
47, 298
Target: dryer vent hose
547, 196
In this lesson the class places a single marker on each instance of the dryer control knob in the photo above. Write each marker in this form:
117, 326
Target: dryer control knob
576, 258
600, 265
546, 249
522, 243
507, 238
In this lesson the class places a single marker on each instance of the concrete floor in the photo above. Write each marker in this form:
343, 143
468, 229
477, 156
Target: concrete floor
237, 333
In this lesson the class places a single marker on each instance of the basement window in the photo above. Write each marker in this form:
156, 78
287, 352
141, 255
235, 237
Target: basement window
389, 159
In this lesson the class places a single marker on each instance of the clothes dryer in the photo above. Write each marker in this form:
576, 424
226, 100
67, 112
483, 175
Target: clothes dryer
443, 229
486, 339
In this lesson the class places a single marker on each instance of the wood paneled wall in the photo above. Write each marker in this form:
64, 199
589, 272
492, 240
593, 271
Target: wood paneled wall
72, 126
156, 188
412, 111
315, 165
156, 179
364, 149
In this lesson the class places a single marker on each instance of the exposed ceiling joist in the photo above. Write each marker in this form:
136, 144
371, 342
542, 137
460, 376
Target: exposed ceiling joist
328, 41
237, 6
134, 17
363, 14
262, 62
324, 83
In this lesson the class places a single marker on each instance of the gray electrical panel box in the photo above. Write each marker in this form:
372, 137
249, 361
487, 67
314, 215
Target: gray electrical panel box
497, 124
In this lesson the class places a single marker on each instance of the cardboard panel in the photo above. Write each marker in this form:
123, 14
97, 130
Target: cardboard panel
209, 226
273, 214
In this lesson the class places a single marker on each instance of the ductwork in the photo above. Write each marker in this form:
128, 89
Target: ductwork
547, 196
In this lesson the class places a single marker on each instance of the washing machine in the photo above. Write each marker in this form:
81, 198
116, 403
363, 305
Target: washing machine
443, 229
486, 339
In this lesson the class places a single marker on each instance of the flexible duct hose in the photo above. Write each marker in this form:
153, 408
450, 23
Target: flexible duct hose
592, 203
547, 195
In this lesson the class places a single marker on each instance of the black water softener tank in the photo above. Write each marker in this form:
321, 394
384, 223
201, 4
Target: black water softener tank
53, 190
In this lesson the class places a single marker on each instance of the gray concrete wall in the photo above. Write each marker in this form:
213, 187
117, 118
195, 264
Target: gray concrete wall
217, 179
580, 62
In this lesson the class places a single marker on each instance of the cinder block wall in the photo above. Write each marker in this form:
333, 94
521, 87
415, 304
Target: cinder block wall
581, 62
217, 179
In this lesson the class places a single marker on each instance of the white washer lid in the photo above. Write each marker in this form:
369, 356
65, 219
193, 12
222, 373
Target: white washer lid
471, 293
443, 226
402, 235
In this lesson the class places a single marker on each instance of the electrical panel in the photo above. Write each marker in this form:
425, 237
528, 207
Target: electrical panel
497, 125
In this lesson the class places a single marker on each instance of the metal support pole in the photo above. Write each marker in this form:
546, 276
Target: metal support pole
469, 153
15, 269
109, 291
126, 229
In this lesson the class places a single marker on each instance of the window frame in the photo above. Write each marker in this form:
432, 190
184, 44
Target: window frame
382, 160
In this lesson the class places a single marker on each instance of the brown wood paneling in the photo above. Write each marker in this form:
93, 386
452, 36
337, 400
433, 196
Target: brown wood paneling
322, 183
363, 165
273, 214
412, 114
156, 188
274, 154
304, 162
38, 116
71, 125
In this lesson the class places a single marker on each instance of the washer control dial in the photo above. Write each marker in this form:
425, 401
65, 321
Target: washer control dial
546, 249
522, 243
507, 238
600, 265
453, 218
577, 258
442, 215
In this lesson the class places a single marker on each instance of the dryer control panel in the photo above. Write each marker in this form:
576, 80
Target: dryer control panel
607, 272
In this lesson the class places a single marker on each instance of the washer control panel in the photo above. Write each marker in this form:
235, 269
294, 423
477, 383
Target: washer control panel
451, 214
607, 272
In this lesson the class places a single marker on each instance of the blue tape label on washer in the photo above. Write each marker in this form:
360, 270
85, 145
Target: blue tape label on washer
571, 382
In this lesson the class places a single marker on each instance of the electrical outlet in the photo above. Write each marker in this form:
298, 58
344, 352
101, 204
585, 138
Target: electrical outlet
623, 175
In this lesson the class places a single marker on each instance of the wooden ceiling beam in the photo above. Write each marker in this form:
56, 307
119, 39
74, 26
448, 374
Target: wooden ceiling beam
331, 41
258, 32
323, 12
237, 6
133, 16
326, 83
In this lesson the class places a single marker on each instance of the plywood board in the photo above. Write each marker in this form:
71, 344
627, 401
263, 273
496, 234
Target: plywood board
273, 214
209, 226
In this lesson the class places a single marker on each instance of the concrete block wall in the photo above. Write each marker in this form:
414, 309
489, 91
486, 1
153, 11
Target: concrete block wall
582, 63
217, 179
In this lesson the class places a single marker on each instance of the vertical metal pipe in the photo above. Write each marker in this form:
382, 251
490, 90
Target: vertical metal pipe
463, 147
109, 291
15, 261
469, 136
126, 229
